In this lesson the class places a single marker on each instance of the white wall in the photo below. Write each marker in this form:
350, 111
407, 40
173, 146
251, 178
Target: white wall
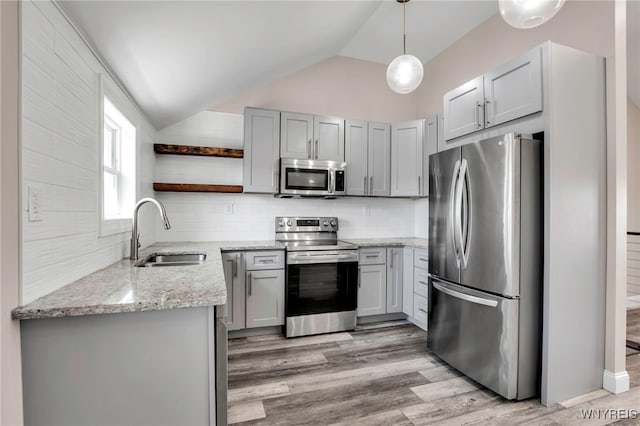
60, 147
203, 217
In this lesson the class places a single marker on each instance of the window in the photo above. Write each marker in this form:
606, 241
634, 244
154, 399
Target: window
118, 170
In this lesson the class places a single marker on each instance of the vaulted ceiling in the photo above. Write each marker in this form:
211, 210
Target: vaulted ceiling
179, 57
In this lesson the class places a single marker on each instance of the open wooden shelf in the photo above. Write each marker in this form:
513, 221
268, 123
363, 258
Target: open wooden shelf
204, 151
196, 187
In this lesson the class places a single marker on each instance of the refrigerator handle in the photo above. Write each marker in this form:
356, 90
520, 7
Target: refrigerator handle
458, 214
464, 230
465, 297
452, 210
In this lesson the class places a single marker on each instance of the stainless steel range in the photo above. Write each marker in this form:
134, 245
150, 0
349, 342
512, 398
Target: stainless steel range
321, 293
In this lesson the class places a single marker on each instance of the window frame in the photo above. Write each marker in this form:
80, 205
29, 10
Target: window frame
108, 226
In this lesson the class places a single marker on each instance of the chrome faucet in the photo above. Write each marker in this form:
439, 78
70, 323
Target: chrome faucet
135, 236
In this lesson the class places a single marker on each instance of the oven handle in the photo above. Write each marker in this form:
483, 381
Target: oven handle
299, 258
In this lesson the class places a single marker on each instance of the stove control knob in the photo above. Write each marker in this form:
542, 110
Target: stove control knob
289, 223
333, 222
325, 223
281, 223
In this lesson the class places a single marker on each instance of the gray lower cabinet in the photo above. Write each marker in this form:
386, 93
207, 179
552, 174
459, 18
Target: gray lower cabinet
265, 298
261, 151
372, 290
255, 288
234, 275
380, 285
394, 279
407, 281
420, 287
134, 368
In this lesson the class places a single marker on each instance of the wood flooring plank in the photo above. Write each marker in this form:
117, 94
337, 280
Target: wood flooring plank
426, 413
347, 404
246, 411
393, 417
331, 380
440, 373
252, 393
253, 346
445, 388
492, 414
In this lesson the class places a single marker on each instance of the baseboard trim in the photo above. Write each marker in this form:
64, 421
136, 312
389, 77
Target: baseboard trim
615, 382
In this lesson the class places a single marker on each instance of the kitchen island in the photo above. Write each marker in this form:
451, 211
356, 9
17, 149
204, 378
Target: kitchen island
131, 345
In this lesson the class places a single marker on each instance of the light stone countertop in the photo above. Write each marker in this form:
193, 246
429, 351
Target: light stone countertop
421, 243
122, 287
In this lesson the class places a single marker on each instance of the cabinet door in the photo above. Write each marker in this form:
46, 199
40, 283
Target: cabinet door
394, 280
261, 151
234, 278
464, 109
265, 298
430, 147
379, 159
372, 290
296, 135
407, 281
514, 89
355, 143
406, 158
329, 138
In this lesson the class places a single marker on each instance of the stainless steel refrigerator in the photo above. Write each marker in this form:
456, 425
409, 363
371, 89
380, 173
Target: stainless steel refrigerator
485, 264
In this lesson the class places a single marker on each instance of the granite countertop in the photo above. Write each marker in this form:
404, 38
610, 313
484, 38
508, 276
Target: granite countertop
420, 243
122, 287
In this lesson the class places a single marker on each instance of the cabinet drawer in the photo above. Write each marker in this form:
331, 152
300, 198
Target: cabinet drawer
420, 282
256, 260
420, 259
373, 256
420, 309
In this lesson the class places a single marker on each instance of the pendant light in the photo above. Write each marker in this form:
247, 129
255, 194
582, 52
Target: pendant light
525, 14
405, 72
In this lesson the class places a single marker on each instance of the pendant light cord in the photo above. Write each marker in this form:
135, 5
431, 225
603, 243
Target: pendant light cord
404, 28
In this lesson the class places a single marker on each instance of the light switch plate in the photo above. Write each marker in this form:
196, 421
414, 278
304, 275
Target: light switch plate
228, 209
33, 204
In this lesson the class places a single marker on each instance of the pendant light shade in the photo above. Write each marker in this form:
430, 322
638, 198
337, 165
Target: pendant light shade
404, 73
525, 14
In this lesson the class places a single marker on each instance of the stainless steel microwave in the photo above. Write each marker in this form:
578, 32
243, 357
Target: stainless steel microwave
312, 178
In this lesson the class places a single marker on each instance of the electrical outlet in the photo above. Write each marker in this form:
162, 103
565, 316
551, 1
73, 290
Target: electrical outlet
366, 211
33, 205
228, 209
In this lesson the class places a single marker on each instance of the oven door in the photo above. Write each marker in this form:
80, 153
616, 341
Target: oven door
321, 282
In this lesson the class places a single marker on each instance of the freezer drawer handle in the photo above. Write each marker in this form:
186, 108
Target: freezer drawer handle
466, 297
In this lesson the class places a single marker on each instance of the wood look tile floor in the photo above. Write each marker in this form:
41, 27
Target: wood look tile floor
383, 374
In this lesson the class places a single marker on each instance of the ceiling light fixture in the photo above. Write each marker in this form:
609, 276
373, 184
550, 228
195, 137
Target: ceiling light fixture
525, 14
405, 72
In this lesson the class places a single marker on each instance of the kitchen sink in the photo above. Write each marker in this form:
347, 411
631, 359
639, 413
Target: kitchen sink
172, 259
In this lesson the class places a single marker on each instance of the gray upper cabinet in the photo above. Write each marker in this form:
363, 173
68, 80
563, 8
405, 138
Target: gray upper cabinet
463, 109
261, 150
514, 89
431, 130
356, 153
379, 159
510, 91
329, 138
296, 140
368, 151
406, 158
305, 136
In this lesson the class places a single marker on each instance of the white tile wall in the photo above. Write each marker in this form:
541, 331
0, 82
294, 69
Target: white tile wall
60, 156
633, 265
202, 217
